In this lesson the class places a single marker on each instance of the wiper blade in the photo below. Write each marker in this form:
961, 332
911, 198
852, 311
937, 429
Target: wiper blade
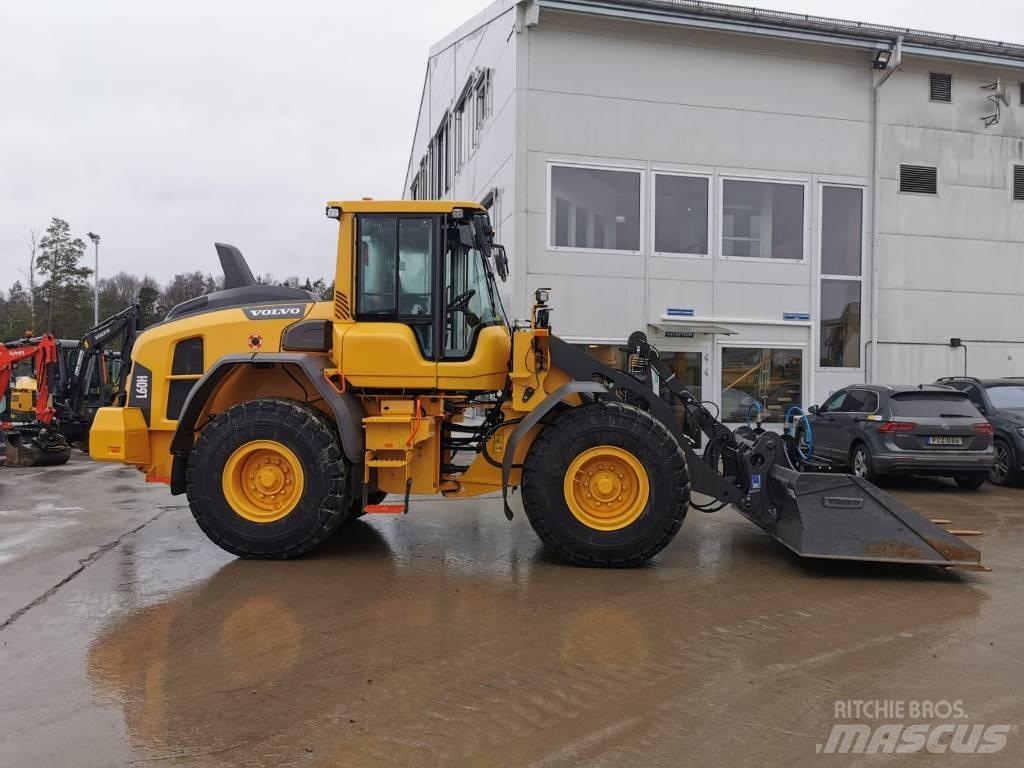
955, 416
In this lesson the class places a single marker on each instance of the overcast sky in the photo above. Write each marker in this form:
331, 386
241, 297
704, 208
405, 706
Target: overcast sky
165, 126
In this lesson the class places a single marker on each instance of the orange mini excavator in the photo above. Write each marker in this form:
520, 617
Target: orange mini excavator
28, 420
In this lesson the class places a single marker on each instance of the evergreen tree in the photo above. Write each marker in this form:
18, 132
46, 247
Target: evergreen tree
64, 290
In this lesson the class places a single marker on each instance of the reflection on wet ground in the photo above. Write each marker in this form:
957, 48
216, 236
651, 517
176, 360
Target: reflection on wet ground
450, 638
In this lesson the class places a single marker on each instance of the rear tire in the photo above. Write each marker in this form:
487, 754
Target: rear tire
313, 480
971, 482
1005, 470
642, 510
861, 463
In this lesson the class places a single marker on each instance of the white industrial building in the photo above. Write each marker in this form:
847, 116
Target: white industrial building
785, 204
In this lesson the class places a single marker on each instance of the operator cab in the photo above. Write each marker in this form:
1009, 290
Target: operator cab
426, 298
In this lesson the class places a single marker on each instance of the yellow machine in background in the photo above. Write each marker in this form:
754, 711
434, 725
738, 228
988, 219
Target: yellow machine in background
23, 396
282, 416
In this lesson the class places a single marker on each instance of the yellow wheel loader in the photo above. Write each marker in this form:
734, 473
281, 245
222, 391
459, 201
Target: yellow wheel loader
282, 416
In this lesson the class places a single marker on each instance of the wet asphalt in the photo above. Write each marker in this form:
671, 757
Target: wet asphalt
448, 637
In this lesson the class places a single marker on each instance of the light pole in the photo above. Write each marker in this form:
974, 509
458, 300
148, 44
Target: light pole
96, 275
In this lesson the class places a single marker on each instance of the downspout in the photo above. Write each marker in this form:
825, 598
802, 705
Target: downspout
876, 174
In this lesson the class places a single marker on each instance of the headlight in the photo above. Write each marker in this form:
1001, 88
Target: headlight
1020, 431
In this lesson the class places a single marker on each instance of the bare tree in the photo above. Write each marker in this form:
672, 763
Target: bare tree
33, 249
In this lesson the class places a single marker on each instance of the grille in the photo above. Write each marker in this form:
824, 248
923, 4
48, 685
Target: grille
342, 311
941, 87
920, 179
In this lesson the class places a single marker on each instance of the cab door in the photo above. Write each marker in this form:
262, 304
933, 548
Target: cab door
475, 343
393, 343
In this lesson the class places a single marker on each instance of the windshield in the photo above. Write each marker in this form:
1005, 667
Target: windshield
471, 297
939, 405
1007, 396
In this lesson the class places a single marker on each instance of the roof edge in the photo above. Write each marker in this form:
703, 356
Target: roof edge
820, 29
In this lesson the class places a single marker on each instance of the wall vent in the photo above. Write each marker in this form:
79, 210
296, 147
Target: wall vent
1018, 183
1022, 94
919, 179
941, 87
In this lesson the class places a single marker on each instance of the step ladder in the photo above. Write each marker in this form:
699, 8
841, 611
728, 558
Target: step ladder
391, 440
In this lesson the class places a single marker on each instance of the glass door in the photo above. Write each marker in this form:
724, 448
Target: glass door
760, 378
692, 367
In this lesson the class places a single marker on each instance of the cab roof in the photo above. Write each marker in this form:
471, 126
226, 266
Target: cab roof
402, 206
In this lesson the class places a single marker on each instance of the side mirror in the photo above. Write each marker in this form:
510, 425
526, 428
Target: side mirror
813, 410
500, 261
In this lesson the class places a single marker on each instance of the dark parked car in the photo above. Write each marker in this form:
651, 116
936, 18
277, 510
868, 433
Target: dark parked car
1001, 401
925, 430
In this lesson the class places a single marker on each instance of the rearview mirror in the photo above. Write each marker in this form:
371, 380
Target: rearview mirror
500, 261
813, 409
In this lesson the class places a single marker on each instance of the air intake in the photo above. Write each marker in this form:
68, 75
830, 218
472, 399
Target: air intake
941, 87
1018, 183
342, 311
919, 179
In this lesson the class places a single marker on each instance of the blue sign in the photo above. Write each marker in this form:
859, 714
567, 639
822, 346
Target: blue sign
796, 315
678, 312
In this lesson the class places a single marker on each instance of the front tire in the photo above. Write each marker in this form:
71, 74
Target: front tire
861, 463
1004, 470
267, 479
606, 485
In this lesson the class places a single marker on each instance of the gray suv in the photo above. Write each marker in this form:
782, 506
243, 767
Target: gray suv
1001, 401
878, 430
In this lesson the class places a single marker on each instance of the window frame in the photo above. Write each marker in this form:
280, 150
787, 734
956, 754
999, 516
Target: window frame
823, 276
437, 245
710, 178
805, 183
464, 141
549, 239
481, 109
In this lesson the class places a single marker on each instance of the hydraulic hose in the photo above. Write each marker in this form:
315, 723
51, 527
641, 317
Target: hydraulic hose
807, 427
750, 408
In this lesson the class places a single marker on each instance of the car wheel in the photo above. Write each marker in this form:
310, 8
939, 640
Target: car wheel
971, 482
1003, 472
861, 464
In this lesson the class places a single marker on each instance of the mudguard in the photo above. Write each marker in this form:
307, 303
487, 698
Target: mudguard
348, 411
532, 419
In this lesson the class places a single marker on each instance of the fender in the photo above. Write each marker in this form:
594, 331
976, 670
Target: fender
348, 411
531, 420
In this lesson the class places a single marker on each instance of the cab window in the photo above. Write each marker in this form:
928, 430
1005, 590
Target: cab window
395, 265
470, 299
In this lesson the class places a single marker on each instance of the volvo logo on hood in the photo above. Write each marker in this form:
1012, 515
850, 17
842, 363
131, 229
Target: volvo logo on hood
278, 312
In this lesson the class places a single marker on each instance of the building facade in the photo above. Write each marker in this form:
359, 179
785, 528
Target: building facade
785, 204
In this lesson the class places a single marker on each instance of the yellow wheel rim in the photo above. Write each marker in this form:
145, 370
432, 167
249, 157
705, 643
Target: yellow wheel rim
263, 481
606, 488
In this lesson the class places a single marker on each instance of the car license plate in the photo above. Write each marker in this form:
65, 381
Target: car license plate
945, 440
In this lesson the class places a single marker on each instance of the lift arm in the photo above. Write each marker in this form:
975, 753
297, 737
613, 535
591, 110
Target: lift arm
91, 346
